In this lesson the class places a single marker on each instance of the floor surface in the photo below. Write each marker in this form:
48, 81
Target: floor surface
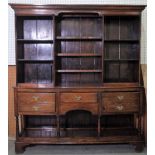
77, 150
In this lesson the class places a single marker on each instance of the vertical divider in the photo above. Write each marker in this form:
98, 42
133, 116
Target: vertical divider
119, 33
54, 51
16, 56
99, 98
57, 113
139, 57
102, 49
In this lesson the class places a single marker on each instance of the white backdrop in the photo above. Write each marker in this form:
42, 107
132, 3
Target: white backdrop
11, 28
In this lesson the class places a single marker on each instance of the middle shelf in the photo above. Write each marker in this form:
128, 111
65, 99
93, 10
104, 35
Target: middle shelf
78, 71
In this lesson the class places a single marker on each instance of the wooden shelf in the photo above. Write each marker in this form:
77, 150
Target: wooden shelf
121, 60
79, 71
34, 61
34, 41
78, 38
120, 40
79, 54
119, 132
80, 16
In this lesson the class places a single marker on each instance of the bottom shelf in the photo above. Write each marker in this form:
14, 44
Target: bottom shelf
118, 132
79, 132
40, 132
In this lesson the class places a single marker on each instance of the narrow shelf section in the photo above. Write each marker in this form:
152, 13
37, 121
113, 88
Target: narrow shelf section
79, 71
120, 40
34, 41
35, 61
80, 16
121, 60
79, 54
119, 132
78, 38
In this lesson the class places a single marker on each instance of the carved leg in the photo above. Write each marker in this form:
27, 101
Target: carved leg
139, 147
20, 147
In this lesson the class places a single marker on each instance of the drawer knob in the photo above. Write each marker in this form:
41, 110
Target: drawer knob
78, 98
35, 98
120, 108
35, 108
120, 97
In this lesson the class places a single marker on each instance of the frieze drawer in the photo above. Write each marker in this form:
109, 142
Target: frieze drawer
120, 102
78, 101
36, 102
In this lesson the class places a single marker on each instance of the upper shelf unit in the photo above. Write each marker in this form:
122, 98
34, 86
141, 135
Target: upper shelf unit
35, 29
122, 28
79, 28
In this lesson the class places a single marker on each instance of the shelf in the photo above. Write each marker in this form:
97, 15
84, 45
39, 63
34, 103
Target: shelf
35, 61
78, 38
80, 16
121, 60
34, 41
83, 132
119, 40
40, 132
79, 55
119, 132
79, 71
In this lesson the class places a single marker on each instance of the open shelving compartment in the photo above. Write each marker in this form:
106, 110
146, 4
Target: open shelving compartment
121, 49
78, 123
39, 126
34, 42
79, 49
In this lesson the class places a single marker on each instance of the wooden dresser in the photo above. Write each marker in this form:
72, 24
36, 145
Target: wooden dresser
78, 75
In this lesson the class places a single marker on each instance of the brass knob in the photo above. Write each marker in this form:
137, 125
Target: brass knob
78, 98
120, 108
35, 108
35, 98
120, 97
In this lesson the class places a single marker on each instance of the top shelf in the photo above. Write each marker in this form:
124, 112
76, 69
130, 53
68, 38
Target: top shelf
121, 40
35, 40
78, 38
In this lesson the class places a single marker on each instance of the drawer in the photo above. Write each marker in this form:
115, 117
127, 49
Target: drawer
78, 101
36, 102
120, 102
78, 97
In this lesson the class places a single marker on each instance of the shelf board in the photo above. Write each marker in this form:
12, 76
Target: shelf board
78, 38
119, 132
121, 40
34, 41
79, 71
121, 60
34, 61
80, 16
79, 54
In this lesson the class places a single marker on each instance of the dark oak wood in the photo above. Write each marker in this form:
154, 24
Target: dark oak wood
36, 102
78, 54
120, 102
20, 147
78, 78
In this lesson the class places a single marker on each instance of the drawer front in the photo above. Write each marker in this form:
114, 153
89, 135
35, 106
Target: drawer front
78, 101
79, 97
36, 102
120, 102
